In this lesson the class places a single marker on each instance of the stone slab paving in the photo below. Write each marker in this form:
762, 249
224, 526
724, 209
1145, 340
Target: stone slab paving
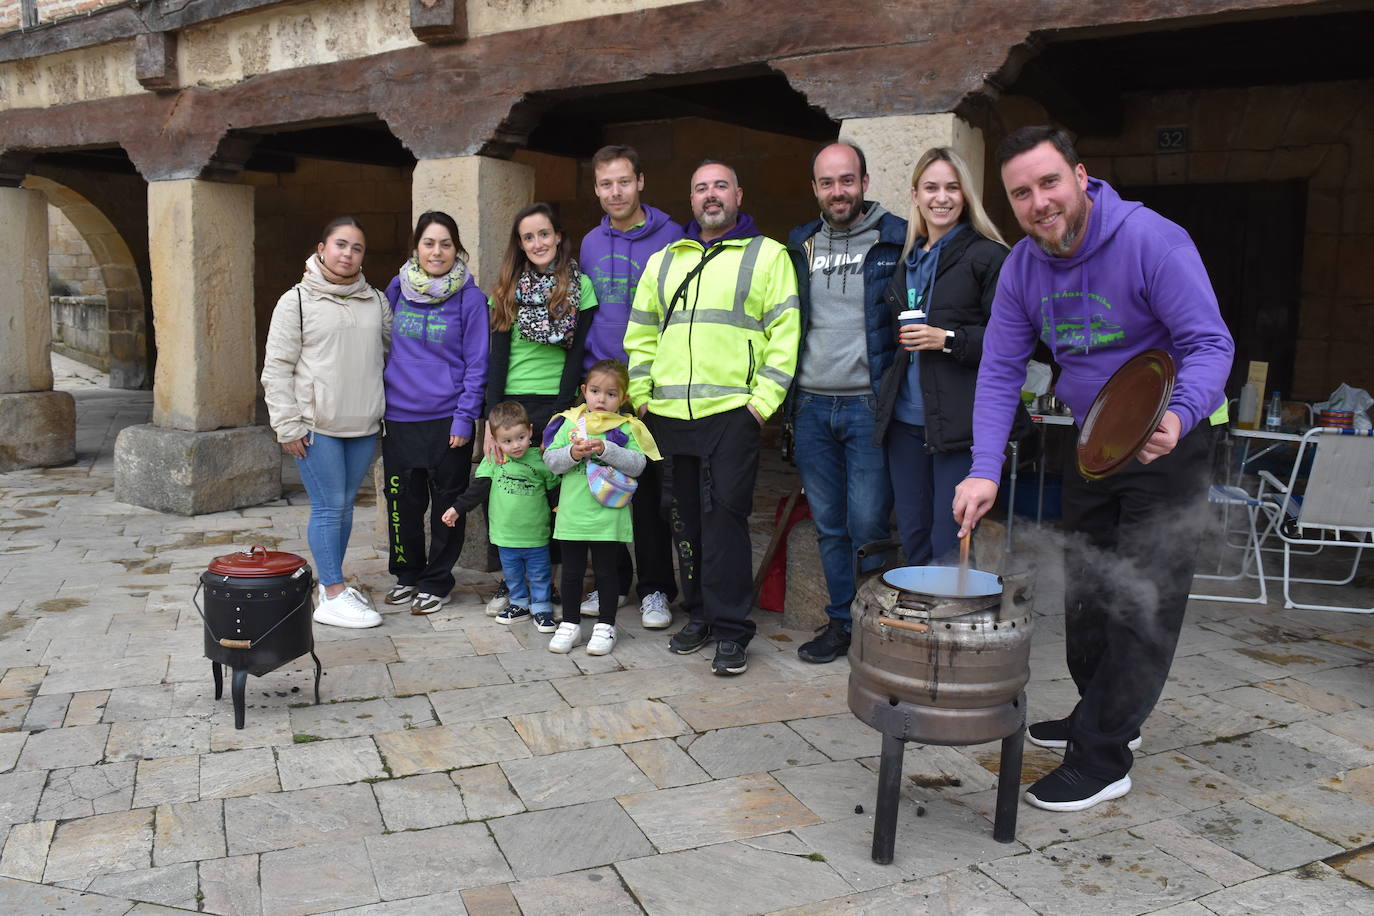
455, 766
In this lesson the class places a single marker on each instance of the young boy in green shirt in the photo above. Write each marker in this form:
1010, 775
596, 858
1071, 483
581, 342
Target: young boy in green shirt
516, 491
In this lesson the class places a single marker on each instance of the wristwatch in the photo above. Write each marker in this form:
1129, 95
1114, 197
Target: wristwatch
949, 339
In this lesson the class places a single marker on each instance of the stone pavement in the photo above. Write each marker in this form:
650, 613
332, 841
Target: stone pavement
458, 767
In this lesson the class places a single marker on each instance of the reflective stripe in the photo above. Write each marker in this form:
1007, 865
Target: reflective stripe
745, 278
641, 370
668, 256
1222, 415
715, 316
777, 376
639, 316
686, 392
776, 312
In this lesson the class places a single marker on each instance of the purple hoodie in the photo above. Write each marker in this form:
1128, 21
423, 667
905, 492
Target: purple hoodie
438, 362
614, 260
1136, 283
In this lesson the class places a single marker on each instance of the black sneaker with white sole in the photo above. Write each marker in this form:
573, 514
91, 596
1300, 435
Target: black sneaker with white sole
1069, 789
514, 614
731, 658
1055, 733
690, 638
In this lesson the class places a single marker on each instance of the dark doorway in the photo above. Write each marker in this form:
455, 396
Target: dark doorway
1250, 236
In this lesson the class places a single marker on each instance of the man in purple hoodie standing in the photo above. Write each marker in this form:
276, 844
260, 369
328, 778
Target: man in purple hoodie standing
1099, 280
613, 256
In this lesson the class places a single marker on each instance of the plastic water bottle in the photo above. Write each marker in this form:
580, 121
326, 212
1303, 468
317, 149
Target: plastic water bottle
1273, 417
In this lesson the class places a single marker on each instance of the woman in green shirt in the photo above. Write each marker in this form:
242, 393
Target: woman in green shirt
541, 309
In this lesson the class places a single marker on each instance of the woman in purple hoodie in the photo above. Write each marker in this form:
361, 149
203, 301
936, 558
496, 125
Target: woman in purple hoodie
435, 384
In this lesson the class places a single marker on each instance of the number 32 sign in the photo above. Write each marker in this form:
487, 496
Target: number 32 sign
1171, 140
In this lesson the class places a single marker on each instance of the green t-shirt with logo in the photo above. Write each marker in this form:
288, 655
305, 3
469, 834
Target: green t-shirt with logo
537, 368
518, 506
580, 516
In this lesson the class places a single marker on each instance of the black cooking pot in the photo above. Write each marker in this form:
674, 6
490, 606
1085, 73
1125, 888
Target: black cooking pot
257, 616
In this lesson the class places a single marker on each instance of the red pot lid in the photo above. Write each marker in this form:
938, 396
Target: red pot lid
256, 562
1125, 413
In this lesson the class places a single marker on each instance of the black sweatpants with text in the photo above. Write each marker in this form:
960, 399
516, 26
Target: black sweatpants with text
421, 472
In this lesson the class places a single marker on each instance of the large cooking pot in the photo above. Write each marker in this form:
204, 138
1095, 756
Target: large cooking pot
256, 615
918, 640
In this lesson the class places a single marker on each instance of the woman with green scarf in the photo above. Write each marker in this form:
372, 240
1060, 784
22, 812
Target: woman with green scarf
435, 384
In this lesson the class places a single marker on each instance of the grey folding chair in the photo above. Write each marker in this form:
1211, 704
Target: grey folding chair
1233, 497
1335, 510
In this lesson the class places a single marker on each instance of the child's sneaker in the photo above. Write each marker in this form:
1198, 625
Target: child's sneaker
567, 636
513, 614
499, 601
591, 603
545, 623
602, 641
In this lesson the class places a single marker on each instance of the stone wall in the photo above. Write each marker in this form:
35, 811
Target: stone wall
290, 208
80, 329
1321, 133
72, 267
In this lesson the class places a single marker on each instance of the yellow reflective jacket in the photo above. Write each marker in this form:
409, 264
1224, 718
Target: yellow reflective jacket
718, 340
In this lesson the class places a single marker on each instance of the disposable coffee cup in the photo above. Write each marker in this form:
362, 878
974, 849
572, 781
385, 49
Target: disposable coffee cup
911, 316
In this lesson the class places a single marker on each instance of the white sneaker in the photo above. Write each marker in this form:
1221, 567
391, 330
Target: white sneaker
602, 641
591, 605
346, 609
565, 637
499, 601
654, 612
425, 603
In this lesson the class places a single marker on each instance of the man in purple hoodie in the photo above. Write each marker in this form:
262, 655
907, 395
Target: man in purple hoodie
1099, 280
613, 256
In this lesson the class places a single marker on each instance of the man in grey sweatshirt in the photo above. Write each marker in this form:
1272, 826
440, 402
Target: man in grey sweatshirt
844, 261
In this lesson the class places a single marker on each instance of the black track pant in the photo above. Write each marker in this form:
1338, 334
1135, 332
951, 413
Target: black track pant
1129, 562
653, 560
713, 496
422, 472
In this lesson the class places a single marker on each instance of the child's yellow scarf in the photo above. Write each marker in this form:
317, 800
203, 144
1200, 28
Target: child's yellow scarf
600, 422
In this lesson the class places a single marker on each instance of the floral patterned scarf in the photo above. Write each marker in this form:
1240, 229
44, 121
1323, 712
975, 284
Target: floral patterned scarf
537, 322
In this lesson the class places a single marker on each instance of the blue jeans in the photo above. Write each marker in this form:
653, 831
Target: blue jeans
518, 563
847, 487
923, 485
332, 470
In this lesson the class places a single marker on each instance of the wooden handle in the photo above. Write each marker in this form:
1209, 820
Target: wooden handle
236, 643
903, 624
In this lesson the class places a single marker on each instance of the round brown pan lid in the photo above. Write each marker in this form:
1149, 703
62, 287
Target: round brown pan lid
1127, 410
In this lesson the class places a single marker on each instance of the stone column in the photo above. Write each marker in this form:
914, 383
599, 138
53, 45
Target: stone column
483, 194
201, 453
37, 424
892, 145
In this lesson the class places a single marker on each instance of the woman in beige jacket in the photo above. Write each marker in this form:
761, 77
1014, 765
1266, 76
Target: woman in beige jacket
322, 377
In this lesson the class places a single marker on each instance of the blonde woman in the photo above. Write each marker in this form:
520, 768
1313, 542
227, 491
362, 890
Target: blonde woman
944, 287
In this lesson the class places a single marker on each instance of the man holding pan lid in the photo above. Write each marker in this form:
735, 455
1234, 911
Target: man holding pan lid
1100, 280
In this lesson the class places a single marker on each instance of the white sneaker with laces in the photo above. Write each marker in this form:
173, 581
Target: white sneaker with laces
654, 612
346, 609
565, 637
602, 641
591, 605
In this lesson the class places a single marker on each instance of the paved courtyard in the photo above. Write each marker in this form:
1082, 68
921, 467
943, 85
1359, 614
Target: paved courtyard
456, 766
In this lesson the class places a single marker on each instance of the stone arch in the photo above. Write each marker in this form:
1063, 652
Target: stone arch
124, 293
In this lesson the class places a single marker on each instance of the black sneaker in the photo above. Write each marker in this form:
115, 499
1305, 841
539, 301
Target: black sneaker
514, 614
1055, 733
1067, 789
731, 658
545, 623
690, 638
830, 645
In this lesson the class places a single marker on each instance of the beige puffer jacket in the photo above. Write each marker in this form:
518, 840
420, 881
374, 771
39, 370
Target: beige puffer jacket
325, 355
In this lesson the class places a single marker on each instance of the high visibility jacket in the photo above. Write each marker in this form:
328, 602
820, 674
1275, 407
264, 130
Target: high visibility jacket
725, 338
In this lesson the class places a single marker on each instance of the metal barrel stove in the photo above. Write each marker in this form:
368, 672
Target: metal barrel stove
257, 617
936, 664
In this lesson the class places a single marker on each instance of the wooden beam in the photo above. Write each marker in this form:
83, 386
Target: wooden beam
155, 61
439, 22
